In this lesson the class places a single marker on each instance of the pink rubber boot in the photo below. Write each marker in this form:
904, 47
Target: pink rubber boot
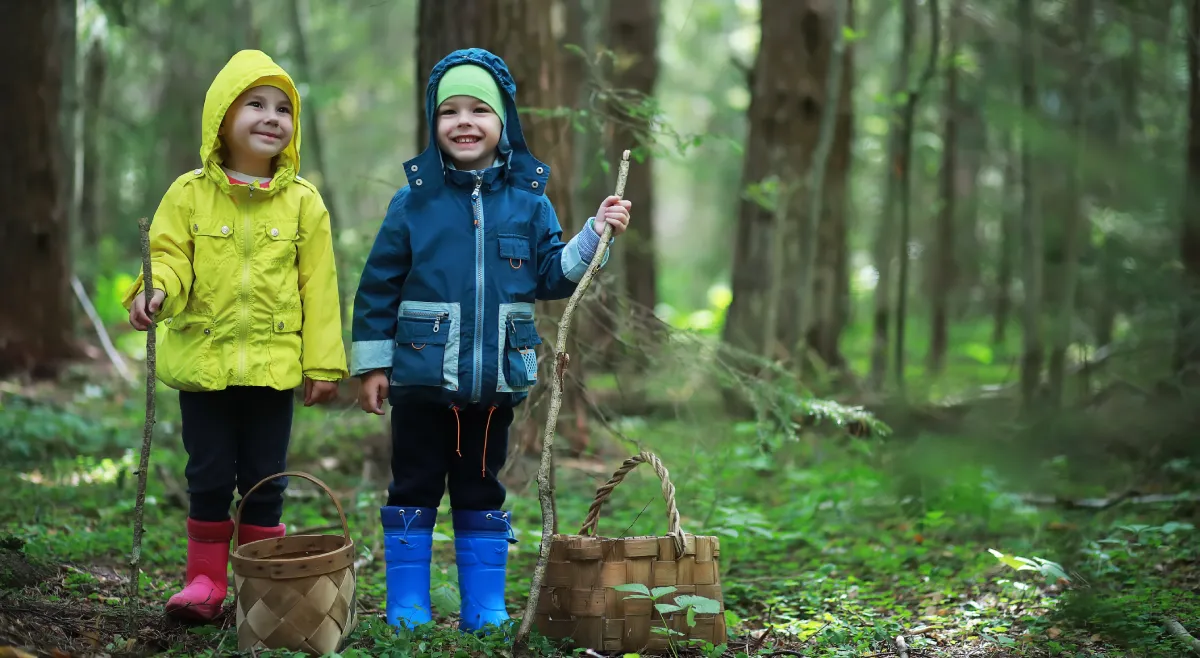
248, 533
207, 579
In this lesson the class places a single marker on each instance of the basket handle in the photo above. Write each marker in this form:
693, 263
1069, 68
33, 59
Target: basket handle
668, 491
237, 520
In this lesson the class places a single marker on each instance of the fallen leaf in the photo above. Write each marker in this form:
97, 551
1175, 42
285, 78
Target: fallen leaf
1053, 633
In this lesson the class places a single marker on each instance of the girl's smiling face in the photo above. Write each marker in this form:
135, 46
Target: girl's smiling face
257, 127
468, 131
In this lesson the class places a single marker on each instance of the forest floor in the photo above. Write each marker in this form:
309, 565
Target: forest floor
830, 546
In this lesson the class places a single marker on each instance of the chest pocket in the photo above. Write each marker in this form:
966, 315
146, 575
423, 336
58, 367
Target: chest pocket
214, 243
279, 241
514, 249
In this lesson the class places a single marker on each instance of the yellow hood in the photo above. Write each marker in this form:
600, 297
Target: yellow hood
246, 69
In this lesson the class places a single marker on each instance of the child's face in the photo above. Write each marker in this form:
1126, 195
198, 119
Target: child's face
468, 131
258, 124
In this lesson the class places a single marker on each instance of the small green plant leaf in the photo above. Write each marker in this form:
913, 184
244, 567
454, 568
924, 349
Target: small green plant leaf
701, 604
659, 592
667, 608
633, 587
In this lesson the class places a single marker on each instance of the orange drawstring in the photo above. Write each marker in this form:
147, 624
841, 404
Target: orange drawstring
486, 427
457, 432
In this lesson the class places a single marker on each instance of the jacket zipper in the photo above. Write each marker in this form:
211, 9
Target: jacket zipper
244, 322
436, 315
477, 207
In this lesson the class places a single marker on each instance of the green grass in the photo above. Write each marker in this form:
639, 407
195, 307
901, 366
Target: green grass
831, 545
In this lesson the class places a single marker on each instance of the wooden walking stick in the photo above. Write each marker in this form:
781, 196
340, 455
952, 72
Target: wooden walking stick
561, 358
139, 506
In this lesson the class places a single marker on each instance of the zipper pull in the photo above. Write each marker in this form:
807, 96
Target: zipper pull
437, 323
478, 184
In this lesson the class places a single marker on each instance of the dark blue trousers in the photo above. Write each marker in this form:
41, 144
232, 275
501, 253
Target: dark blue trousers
435, 445
234, 438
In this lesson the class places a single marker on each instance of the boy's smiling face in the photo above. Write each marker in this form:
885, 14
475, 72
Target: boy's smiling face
257, 127
468, 131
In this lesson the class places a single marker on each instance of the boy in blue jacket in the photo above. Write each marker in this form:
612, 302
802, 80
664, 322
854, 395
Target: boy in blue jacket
444, 328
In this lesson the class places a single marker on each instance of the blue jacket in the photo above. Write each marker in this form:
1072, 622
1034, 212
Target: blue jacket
446, 299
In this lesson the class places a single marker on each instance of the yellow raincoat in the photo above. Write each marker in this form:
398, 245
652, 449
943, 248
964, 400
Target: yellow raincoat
249, 274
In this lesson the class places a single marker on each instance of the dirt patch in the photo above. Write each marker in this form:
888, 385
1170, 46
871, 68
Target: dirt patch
17, 570
85, 628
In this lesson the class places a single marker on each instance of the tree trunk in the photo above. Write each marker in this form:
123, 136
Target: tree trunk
35, 317
885, 240
92, 209
1010, 227
1031, 227
910, 108
522, 32
633, 36
944, 241
1187, 354
788, 94
1072, 235
303, 73
832, 285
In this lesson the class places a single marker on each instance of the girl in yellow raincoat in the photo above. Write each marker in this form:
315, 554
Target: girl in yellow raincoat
245, 288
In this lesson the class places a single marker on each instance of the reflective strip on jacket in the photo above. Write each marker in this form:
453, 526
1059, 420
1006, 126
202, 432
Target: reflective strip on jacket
445, 303
249, 273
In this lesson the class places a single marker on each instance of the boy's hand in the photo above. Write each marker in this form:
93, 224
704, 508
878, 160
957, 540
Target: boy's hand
141, 317
319, 392
613, 212
373, 392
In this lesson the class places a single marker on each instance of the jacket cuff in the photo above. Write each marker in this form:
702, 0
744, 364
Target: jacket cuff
579, 252
368, 355
325, 375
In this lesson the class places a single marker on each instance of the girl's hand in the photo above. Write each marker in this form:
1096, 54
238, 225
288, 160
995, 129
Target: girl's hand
141, 317
613, 212
373, 392
319, 392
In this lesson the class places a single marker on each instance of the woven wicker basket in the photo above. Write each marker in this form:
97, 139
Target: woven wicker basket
297, 592
578, 600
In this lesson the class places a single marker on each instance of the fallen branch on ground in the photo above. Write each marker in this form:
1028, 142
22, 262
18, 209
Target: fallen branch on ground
113, 355
1175, 628
1131, 497
545, 474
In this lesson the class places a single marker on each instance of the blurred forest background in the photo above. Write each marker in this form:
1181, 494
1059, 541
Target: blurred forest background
929, 267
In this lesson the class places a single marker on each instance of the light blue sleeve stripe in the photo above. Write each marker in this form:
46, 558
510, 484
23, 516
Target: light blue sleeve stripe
578, 253
367, 355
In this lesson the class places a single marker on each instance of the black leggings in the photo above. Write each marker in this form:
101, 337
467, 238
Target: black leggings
234, 438
427, 440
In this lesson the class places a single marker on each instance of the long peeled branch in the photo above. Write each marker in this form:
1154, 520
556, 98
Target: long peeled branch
139, 505
561, 358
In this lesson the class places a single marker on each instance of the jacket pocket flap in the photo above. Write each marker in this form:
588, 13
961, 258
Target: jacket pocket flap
211, 228
287, 321
522, 332
420, 331
185, 321
283, 231
515, 247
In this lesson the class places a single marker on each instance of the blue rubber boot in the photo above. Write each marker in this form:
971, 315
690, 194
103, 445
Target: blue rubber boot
481, 540
408, 549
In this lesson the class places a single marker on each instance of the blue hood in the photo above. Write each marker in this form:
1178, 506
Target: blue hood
520, 165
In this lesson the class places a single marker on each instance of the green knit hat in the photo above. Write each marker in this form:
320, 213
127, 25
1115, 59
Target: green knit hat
474, 81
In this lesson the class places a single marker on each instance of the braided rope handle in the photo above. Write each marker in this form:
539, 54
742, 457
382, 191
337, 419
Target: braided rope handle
668, 490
